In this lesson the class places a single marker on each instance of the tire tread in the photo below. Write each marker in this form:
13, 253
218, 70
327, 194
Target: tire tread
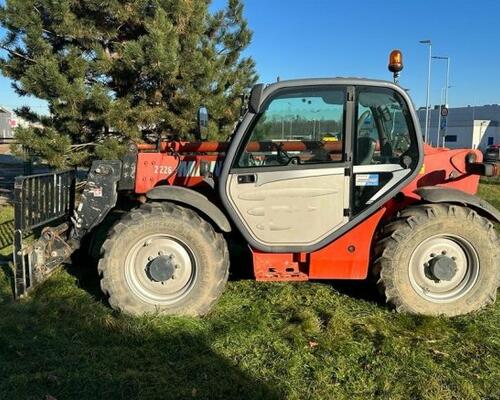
394, 234
135, 218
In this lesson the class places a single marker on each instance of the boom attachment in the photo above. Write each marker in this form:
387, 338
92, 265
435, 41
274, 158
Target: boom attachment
41, 202
45, 206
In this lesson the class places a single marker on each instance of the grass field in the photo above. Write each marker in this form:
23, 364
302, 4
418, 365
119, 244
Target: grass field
272, 341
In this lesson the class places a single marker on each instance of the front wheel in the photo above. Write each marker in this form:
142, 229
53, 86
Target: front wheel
163, 258
438, 259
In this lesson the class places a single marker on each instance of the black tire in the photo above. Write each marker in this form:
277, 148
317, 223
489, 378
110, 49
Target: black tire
399, 253
205, 277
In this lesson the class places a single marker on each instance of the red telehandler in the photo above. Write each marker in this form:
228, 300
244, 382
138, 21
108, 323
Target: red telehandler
323, 178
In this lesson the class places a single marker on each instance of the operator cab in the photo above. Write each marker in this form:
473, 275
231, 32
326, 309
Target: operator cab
314, 157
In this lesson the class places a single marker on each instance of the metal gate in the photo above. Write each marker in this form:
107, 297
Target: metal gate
39, 201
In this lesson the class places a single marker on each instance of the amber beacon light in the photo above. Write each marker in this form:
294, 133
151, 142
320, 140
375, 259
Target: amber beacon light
396, 63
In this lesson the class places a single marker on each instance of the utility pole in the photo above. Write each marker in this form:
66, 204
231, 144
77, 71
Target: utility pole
447, 82
427, 101
439, 121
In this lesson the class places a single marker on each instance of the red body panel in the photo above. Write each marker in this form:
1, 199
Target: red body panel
279, 267
348, 257
445, 167
154, 169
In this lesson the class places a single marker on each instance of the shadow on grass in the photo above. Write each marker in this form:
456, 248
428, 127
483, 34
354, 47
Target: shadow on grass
6, 283
6, 272
68, 343
60, 343
84, 268
492, 182
362, 290
6, 237
84, 264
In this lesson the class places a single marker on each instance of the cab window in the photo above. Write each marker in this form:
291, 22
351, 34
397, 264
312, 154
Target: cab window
384, 130
298, 127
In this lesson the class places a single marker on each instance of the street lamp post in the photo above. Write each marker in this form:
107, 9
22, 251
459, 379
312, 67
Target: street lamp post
447, 76
439, 121
447, 84
447, 81
427, 101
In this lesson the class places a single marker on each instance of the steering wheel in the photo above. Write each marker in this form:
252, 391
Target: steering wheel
282, 157
248, 160
365, 150
363, 117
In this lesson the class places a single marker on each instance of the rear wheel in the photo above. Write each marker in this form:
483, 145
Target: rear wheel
163, 258
438, 259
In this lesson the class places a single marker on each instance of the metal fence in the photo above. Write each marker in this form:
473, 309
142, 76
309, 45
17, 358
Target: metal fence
42, 199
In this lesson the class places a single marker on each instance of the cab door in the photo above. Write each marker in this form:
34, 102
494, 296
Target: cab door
288, 184
386, 146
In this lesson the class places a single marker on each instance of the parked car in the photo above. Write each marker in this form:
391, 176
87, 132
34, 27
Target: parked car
492, 153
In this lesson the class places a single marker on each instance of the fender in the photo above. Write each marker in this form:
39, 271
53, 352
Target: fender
436, 194
193, 199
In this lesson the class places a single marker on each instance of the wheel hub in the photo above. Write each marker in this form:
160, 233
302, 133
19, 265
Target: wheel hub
161, 269
443, 268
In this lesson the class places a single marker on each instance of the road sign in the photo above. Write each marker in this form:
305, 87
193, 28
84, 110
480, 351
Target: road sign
444, 111
444, 122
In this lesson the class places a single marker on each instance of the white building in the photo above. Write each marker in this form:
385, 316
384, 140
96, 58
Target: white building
9, 121
467, 127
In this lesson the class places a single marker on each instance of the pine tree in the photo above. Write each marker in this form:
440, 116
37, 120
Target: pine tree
118, 70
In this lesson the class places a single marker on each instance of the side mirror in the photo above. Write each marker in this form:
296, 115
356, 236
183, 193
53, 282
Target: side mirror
245, 98
256, 98
202, 133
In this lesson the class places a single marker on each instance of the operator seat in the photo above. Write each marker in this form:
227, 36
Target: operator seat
365, 150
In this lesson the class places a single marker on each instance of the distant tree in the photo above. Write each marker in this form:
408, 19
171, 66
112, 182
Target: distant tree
121, 69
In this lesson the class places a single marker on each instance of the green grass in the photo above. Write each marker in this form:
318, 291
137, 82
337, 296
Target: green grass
490, 191
263, 340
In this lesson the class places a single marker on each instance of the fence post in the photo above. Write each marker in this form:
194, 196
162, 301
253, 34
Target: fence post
27, 163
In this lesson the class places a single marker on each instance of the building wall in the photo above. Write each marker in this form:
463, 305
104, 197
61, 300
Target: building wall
8, 123
5, 128
467, 127
485, 133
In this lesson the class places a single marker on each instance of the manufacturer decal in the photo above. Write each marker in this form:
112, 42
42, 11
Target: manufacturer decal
96, 191
367, 180
187, 169
163, 169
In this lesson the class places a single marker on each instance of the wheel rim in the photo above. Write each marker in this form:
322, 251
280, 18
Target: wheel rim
443, 268
160, 269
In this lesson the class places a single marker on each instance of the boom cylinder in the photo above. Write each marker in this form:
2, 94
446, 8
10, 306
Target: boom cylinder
221, 147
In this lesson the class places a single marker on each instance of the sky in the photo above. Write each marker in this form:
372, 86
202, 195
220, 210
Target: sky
325, 38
